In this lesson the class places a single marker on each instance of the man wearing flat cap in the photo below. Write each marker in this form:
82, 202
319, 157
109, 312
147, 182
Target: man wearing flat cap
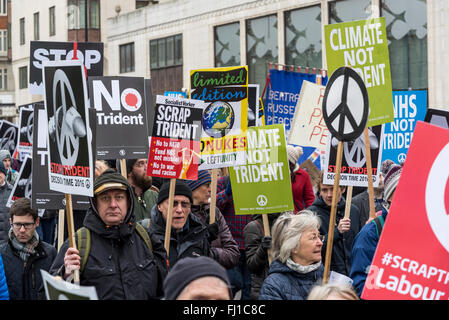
188, 237
124, 262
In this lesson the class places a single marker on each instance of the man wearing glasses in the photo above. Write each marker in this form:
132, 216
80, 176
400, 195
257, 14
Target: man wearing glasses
24, 255
189, 237
124, 263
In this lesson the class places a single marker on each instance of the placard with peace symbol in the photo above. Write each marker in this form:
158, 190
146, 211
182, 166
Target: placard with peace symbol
345, 104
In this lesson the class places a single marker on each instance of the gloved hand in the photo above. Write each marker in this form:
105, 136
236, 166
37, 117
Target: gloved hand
266, 242
213, 231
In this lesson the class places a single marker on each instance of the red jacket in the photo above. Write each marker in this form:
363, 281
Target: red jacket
302, 190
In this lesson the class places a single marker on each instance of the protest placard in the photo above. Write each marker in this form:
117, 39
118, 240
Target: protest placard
9, 133
354, 167
121, 117
176, 138
412, 256
253, 106
58, 289
41, 196
363, 45
308, 126
25, 136
69, 138
438, 117
225, 90
263, 185
409, 107
91, 53
23, 185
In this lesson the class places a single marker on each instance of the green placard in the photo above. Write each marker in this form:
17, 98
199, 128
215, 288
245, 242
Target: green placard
263, 185
363, 45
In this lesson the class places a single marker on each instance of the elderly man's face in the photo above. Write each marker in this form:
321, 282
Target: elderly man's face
181, 211
201, 195
112, 206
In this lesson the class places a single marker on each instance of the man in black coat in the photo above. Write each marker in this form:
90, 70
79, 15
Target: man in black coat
120, 264
24, 255
345, 228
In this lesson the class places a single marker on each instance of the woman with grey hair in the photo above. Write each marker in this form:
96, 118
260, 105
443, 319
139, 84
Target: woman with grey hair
296, 255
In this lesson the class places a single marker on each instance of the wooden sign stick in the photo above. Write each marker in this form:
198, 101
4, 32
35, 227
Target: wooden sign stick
213, 195
168, 222
60, 228
348, 202
71, 231
266, 229
330, 234
123, 168
369, 169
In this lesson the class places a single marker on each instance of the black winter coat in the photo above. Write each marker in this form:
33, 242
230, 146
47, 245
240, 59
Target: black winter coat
256, 255
191, 241
25, 280
342, 244
120, 265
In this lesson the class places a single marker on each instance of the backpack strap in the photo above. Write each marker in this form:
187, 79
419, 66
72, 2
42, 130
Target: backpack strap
144, 235
379, 223
83, 244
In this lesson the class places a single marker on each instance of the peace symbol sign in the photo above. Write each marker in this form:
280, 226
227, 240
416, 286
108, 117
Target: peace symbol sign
8, 140
345, 104
67, 141
29, 127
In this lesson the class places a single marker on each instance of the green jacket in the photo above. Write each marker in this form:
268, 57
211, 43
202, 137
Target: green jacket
144, 204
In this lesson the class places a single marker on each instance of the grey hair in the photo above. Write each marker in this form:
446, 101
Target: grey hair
322, 292
287, 232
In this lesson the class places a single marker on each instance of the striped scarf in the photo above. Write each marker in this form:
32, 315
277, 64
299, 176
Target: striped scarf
24, 249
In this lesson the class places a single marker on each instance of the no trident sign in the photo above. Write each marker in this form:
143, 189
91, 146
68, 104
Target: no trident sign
345, 112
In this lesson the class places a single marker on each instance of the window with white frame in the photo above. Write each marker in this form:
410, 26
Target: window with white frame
36, 26
4, 79
3, 7
52, 21
3, 41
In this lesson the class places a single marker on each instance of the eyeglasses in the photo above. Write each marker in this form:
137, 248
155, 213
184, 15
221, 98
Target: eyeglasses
315, 237
26, 225
184, 204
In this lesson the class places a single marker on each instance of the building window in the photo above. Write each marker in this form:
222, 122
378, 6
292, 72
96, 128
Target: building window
406, 24
52, 21
227, 45
3, 41
3, 79
349, 10
23, 77
303, 37
261, 47
127, 57
36, 26
3, 7
22, 30
77, 14
166, 52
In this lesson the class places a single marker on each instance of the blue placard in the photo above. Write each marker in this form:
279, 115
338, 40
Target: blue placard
409, 107
175, 94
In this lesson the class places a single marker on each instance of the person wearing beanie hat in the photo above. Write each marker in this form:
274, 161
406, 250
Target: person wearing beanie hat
188, 236
302, 189
224, 249
199, 278
144, 197
5, 191
11, 174
124, 260
365, 243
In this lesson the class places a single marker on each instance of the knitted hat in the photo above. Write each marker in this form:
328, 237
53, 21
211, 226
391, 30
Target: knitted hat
108, 180
4, 154
293, 154
203, 177
181, 189
392, 172
189, 269
2, 168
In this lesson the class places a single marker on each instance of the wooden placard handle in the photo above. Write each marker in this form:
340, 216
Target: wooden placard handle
169, 215
330, 235
60, 228
369, 169
123, 168
348, 202
71, 231
213, 195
